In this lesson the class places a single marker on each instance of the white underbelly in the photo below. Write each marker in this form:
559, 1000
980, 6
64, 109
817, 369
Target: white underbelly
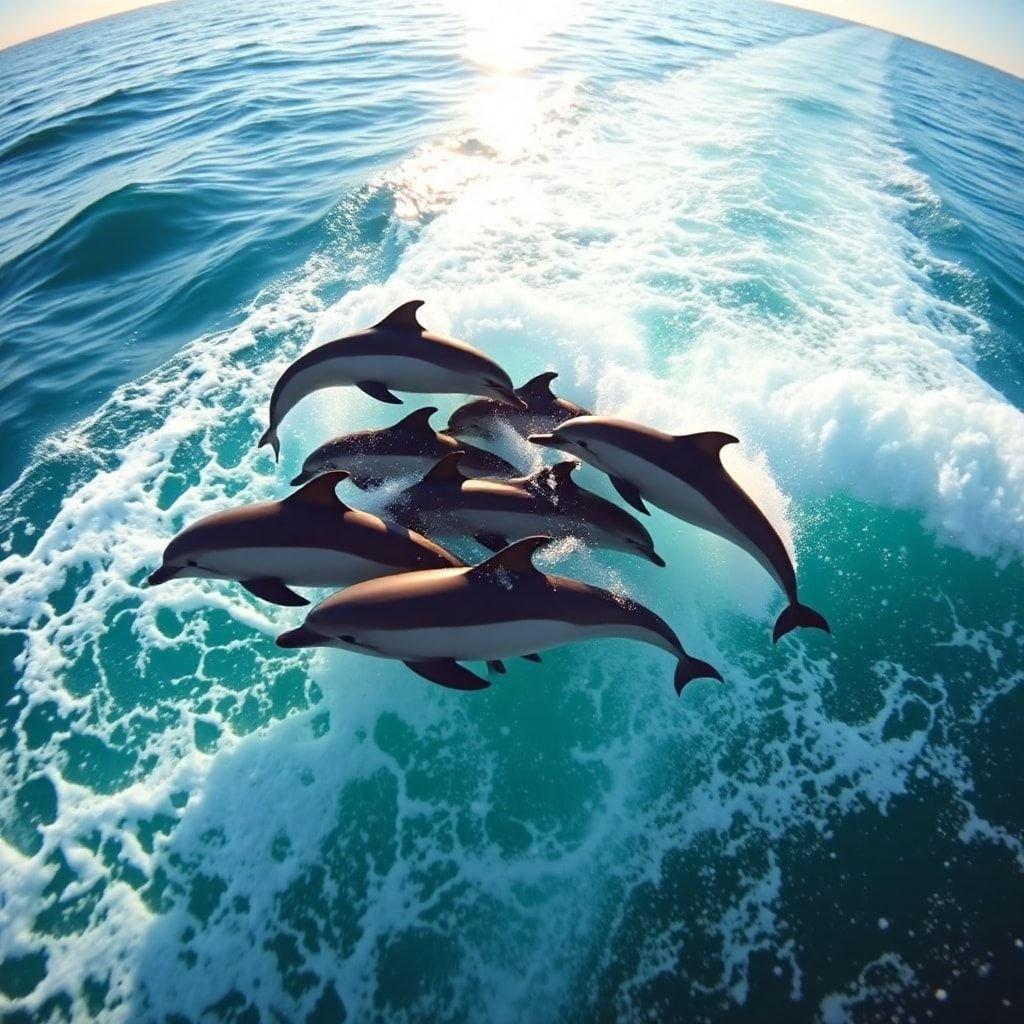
301, 567
396, 373
420, 377
678, 498
493, 641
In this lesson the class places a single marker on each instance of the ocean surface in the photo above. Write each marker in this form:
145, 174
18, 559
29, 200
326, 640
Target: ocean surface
705, 215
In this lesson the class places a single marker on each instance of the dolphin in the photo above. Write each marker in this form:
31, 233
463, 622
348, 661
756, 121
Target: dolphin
446, 503
484, 419
684, 475
409, 447
310, 539
395, 353
502, 608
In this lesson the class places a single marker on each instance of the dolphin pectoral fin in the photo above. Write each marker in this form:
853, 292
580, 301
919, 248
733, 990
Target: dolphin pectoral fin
497, 666
377, 390
689, 669
491, 541
532, 657
630, 493
273, 590
449, 673
795, 616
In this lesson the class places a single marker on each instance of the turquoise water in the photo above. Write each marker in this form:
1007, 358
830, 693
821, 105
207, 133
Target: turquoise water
732, 216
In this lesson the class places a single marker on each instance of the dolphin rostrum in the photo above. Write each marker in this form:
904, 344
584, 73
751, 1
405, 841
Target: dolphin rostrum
310, 539
409, 447
395, 353
684, 475
502, 608
483, 418
447, 503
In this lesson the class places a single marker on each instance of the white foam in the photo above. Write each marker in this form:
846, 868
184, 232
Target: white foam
765, 254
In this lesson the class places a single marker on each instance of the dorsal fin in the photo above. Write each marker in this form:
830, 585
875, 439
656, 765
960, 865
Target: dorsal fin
320, 491
446, 469
539, 386
404, 317
517, 557
711, 442
558, 475
418, 420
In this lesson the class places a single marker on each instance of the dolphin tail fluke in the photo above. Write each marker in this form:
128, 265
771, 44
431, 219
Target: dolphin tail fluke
795, 616
689, 669
270, 437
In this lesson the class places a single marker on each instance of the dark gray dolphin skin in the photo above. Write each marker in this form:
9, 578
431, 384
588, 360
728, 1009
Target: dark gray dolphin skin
395, 353
502, 608
684, 475
485, 419
409, 447
447, 503
310, 539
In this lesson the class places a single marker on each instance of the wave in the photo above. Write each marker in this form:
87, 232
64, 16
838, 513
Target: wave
102, 115
766, 263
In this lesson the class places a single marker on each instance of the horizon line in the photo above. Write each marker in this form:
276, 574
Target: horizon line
1018, 75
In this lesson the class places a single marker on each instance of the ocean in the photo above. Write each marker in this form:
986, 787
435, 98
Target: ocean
705, 216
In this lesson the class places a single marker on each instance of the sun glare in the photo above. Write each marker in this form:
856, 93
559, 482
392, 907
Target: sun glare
504, 111
505, 37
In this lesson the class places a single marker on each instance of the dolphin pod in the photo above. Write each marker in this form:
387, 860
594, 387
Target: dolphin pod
502, 608
683, 474
485, 418
447, 503
407, 598
408, 447
396, 353
311, 539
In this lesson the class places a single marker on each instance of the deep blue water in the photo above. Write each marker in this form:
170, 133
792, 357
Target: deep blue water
728, 216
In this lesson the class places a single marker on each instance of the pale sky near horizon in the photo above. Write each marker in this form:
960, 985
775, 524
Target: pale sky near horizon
991, 31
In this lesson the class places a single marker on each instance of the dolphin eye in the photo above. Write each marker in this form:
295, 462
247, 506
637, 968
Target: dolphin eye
492, 383
583, 444
347, 639
195, 565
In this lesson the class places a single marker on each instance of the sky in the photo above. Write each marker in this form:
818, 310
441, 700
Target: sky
991, 31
